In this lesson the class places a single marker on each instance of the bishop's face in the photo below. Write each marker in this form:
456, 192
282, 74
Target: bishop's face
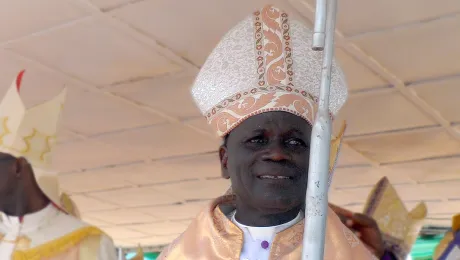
266, 159
8, 179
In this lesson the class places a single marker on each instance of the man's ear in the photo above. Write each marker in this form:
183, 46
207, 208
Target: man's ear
223, 156
20, 167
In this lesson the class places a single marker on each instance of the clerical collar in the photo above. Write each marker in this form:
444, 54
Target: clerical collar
261, 233
29, 221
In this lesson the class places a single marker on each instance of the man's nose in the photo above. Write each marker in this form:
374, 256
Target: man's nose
276, 152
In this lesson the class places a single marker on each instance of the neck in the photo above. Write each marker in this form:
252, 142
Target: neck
255, 218
20, 206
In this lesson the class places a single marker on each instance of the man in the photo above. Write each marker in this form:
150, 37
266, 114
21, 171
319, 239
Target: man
258, 90
449, 247
139, 254
34, 223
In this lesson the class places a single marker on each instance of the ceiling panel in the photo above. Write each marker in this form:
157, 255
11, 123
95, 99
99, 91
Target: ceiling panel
38, 86
446, 190
358, 76
380, 15
98, 180
174, 170
151, 240
87, 204
89, 154
356, 177
407, 146
414, 53
200, 29
161, 141
109, 4
175, 212
122, 233
442, 95
92, 113
435, 208
65, 136
122, 217
444, 207
348, 156
355, 208
196, 190
409, 192
95, 53
95, 222
160, 228
381, 111
19, 18
445, 221
201, 124
170, 94
137, 197
428, 170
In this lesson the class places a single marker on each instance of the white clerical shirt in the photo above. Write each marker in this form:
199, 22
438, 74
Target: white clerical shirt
257, 240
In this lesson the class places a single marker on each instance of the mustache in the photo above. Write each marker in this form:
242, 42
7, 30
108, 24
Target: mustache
281, 166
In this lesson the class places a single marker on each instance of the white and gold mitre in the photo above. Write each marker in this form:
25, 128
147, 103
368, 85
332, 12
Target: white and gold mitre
31, 133
399, 227
69, 206
265, 63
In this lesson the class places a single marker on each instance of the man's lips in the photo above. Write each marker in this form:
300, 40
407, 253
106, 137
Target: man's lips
275, 177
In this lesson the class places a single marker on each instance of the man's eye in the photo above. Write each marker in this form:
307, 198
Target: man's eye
295, 142
257, 140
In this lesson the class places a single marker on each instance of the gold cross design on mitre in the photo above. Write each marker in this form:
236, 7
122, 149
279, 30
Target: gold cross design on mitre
21, 242
4, 130
396, 221
38, 145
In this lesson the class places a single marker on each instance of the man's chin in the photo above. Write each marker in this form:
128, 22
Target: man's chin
278, 205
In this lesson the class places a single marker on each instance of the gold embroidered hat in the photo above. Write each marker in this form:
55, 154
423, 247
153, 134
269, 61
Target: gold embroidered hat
399, 227
31, 133
265, 63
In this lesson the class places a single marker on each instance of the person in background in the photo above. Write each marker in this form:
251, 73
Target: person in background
258, 90
449, 247
139, 254
35, 220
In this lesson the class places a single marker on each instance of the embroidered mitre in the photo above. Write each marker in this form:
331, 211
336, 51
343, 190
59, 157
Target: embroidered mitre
31, 133
399, 227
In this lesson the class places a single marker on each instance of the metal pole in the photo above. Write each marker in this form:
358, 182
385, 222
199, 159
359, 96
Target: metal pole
316, 199
121, 254
319, 33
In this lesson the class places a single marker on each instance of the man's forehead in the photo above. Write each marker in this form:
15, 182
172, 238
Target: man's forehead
284, 119
5, 156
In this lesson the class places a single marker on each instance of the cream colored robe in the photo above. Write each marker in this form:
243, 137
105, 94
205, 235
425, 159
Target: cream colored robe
52, 235
213, 236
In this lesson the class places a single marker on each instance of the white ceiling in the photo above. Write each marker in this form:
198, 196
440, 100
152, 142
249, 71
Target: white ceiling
140, 161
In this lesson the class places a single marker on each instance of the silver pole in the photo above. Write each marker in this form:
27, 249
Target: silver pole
319, 33
316, 199
121, 254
